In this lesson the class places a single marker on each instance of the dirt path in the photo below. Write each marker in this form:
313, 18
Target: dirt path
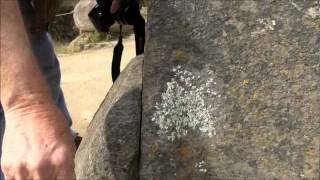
86, 79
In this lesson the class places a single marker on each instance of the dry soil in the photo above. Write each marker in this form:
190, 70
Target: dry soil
86, 79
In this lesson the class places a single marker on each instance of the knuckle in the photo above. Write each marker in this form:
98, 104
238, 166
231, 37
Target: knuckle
13, 169
5, 169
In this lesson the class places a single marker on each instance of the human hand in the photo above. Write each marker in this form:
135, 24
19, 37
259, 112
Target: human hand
37, 144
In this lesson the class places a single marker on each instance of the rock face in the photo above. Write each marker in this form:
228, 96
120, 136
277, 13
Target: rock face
110, 150
231, 90
80, 15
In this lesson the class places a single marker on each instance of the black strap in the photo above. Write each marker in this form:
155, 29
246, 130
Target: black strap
116, 60
139, 33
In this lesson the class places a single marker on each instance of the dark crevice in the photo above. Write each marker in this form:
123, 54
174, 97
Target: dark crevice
141, 115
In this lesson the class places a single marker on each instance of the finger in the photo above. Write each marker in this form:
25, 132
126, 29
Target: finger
114, 6
19, 172
22, 173
7, 173
43, 171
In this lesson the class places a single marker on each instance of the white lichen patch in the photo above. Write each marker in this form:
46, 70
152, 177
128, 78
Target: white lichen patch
267, 25
314, 12
191, 102
201, 166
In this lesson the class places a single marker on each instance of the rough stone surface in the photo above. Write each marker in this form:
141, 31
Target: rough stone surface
80, 15
231, 90
110, 149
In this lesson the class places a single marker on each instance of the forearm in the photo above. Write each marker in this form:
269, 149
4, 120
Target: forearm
22, 84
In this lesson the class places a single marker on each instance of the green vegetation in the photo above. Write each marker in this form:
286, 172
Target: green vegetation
61, 48
96, 37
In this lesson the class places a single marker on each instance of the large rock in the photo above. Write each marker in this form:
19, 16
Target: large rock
81, 17
110, 149
231, 90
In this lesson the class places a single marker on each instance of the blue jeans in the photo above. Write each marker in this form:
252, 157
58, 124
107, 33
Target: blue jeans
48, 62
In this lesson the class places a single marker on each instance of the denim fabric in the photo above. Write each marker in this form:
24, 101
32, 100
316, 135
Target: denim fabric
49, 64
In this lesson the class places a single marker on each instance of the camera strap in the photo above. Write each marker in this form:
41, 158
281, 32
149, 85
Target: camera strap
116, 60
139, 36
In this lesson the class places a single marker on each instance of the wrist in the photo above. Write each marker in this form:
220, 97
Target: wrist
37, 118
26, 102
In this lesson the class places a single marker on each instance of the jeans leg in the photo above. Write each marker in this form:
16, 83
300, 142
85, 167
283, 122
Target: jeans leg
48, 61
2, 127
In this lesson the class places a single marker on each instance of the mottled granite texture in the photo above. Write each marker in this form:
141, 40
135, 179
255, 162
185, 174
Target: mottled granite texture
231, 90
